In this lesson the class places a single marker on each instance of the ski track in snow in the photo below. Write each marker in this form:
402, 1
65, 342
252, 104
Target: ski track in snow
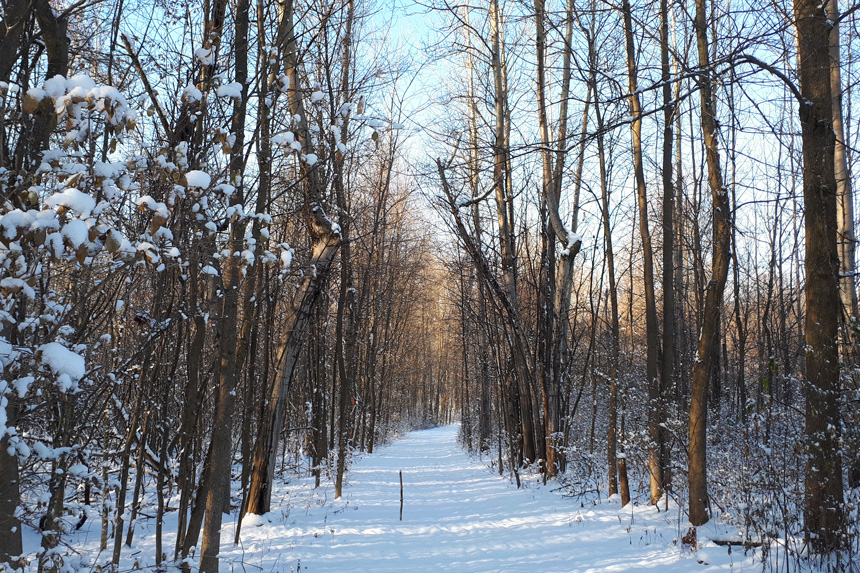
458, 515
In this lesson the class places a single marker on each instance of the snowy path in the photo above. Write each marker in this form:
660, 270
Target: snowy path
459, 516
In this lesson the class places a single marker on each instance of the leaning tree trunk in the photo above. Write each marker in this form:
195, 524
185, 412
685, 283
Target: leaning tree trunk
823, 504
708, 350
326, 242
301, 309
498, 296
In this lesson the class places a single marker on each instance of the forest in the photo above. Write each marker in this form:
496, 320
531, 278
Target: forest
247, 240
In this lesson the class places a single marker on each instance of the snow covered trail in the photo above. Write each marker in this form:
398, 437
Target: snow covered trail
459, 516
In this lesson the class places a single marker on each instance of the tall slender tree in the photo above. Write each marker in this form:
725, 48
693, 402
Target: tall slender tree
652, 334
667, 373
844, 193
553, 166
707, 352
218, 494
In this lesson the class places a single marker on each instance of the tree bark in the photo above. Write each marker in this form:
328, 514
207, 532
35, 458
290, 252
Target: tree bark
667, 378
31, 144
16, 16
555, 304
823, 504
218, 493
10, 492
347, 307
707, 352
483, 344
655, 406
504, 210
615, 334
326, 242
844, 194
265, 451
345, 313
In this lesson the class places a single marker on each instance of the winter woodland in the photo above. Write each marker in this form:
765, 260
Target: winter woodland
564, 270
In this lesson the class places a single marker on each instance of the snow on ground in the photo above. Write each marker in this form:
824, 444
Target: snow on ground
458, 515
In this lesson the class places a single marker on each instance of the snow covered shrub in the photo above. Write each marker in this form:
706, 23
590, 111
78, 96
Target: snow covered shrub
757, 486
757, 482
59, 241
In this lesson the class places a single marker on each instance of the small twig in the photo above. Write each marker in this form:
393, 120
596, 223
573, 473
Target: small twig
737, 542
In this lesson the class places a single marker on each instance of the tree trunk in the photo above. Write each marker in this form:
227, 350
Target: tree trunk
16, 15
844, 195
504, 208
655, 406
347, 308
138, 478
823, 505
707, 352
847, 237
249, 338
553, 303
345, 312
218, 492
622, 471
667, 378
615, 335
10, 493
190, 416
326, 242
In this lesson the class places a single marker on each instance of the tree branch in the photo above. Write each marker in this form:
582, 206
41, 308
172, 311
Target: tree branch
150, 92
769, 68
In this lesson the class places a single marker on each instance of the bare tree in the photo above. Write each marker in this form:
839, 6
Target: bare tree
656, 461
707, 352
326, 242
220, 458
